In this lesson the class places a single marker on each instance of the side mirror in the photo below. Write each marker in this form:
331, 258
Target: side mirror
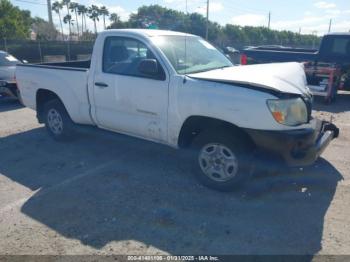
24, 61
148, 67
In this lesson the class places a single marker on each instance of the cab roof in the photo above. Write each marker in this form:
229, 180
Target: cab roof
148, 32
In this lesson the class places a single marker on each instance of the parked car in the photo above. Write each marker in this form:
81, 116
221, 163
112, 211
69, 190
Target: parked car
233, 54
327, 69
8, 86
180, 91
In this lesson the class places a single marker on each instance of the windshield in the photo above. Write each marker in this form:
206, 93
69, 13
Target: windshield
8, 60
190, 54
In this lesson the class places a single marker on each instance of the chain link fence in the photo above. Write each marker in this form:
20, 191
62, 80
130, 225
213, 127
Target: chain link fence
47, 51
59, 51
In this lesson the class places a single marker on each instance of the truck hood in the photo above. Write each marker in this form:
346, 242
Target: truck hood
275, 78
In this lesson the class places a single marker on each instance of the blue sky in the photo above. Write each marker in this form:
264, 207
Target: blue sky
312, 16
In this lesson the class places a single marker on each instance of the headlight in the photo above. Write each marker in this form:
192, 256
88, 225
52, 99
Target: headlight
290, 112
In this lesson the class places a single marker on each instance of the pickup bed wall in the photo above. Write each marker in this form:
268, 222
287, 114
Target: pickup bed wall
74, 64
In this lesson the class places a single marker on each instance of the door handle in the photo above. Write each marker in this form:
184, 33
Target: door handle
100, 84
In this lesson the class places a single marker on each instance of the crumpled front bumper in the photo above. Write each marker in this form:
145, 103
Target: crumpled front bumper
299, 147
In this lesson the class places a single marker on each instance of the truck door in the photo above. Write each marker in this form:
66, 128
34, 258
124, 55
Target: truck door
126, 99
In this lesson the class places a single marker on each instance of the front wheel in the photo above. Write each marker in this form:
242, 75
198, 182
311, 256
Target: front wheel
57, 121
222, 160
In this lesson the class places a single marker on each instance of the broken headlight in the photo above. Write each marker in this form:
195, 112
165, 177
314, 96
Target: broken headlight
290, 112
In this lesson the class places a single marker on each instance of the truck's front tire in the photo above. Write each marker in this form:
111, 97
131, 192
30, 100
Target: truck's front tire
222, 161
57, 121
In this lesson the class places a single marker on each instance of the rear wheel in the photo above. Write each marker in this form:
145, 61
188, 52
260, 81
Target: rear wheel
57, 121
222, 161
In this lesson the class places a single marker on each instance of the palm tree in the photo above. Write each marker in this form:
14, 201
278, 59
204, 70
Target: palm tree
114, 18
82, 10
74, 8
57, 6
94, 13
104, 12
68, 17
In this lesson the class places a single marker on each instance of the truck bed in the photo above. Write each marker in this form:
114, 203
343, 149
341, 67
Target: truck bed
68, 80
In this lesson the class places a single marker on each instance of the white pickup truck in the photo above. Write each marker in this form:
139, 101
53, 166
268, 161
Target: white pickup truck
177, 89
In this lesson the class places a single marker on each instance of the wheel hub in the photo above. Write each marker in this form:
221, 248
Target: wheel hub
55, 121
218, 162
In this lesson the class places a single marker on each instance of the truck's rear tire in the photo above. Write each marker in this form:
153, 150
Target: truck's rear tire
57, 121
222, 161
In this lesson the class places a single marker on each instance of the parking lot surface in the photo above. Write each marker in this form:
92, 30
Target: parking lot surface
110, 194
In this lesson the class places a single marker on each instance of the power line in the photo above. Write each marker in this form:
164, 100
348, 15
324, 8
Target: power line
30, 2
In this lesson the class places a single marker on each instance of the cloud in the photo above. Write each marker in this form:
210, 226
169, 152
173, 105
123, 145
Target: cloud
249, 20
315, 24
322, 28
333, 12
324, 5
293, 24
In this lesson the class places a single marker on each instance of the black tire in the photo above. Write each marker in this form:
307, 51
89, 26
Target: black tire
66, 125
241, 149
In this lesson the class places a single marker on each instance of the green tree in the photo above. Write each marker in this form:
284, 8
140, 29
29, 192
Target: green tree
43, 29
57, 7
114, 18
105, 13
68, 17
94, 13
82, 11
14, 23
74, 8
117, 23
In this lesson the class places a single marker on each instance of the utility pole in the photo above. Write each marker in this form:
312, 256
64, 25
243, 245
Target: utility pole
207, 24
299, 30
330, 25
49, 12
268, 26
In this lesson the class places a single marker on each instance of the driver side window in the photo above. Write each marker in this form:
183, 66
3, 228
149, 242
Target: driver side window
123, 55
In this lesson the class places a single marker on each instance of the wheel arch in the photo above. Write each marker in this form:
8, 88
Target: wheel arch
196, 124
42, 97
